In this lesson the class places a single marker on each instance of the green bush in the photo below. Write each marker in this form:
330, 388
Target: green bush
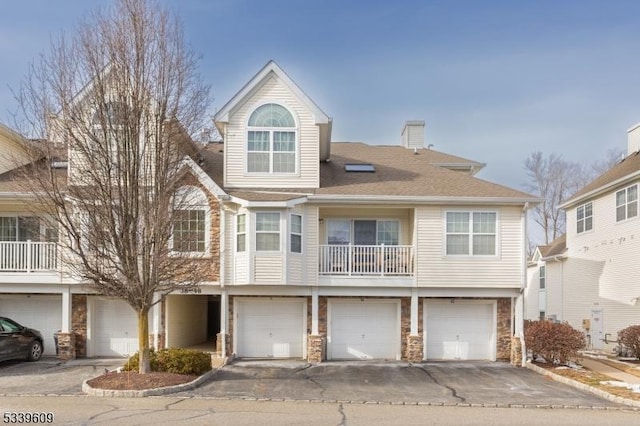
630, 339
174, 360
555, 342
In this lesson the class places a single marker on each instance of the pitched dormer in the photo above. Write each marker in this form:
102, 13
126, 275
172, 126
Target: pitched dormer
275, 136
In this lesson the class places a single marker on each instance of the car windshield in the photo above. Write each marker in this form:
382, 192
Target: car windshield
7, 325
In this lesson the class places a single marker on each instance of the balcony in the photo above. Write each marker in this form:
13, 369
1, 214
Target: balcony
28, 256
366, 260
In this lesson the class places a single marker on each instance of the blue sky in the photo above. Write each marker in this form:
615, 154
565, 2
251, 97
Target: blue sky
494, 80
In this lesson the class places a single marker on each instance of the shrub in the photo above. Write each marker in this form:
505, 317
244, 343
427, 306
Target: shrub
174, 360
630, 338
555, 342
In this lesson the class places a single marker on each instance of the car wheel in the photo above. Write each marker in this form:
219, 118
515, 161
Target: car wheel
35, 351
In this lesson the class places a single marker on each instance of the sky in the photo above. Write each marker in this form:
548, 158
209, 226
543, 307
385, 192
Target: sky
493, 80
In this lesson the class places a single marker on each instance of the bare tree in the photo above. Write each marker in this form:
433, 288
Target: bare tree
118, 101
554, 180
612, 157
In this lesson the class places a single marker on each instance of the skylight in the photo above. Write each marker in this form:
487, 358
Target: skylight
359, 168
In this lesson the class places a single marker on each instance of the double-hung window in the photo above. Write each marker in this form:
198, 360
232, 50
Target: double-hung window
296, 233
584, 218
543, 277
627, 203
471, 233
271, 140
267, 231
241, 233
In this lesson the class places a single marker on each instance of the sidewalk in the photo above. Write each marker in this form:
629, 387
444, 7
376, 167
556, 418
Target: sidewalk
607, 370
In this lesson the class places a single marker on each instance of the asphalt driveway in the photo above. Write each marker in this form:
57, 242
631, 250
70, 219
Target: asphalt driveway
484, 383
442, 382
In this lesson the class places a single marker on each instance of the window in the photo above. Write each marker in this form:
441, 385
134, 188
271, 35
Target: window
296, 233
363, 232
271, 140
543, 277
584, 216
471, 233
241, 233
267, 231
188, 231
19, 228
627, 203
191, 223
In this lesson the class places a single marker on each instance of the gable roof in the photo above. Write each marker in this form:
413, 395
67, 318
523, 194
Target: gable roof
622, 173
399, 173
271, 68
556, 248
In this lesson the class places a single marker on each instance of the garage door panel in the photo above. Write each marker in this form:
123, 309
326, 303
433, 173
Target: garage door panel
270, 329
44, 313
462, 331
364, 330
114, 328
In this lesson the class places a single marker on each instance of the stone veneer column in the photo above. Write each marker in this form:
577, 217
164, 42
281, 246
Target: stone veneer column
414, 348
220, 337
316, 345
516, 351
66, 345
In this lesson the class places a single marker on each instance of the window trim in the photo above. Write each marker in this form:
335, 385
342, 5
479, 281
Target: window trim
295, 234
352, 228
271, 152
542, 275
627, 203
583, 220
193, 199
256, 232
241, 234
470, 233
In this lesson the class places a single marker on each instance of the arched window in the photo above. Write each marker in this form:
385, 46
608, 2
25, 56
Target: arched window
271, 140
191, 221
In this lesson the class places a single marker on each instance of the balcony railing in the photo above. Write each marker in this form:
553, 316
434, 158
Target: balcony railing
378, 260
27, 256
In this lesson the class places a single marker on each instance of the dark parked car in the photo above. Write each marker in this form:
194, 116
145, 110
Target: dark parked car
18, 342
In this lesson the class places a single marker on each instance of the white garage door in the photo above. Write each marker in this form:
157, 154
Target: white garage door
114, 328
464, 330
44, 313
270, 328
364, 330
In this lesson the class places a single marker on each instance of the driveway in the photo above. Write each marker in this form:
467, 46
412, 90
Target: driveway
51, 376
435, 383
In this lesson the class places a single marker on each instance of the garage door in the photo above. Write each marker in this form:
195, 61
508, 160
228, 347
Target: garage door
114, 329
364, 330
270, 328
44, 313
464, 330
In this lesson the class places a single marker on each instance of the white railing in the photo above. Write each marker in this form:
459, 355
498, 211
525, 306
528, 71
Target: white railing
27, 256
378, 260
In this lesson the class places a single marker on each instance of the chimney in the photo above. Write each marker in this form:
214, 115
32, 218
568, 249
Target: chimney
413, 134
633, 139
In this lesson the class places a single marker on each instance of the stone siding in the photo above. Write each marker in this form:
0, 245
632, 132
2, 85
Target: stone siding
79, 323
503, 332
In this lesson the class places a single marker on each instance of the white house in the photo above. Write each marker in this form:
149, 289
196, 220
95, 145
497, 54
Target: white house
593, 281
352, 251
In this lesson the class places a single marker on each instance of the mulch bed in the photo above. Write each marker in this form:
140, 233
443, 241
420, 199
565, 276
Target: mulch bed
136, 381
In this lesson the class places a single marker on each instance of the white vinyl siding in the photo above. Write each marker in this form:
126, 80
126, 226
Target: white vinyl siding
435, 269
307, 174
268, 269
602, 269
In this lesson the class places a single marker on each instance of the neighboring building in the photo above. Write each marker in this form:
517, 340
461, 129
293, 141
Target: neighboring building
351, 251
36, 289
593, 282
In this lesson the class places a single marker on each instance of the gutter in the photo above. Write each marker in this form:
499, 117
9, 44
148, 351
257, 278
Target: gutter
402, 199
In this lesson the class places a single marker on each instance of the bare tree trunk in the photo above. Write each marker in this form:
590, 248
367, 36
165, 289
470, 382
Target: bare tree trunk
143, 341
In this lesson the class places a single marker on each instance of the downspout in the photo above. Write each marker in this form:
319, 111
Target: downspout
519, 330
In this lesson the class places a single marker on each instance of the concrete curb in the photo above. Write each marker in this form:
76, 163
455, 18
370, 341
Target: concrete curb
583, 387
86, 388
